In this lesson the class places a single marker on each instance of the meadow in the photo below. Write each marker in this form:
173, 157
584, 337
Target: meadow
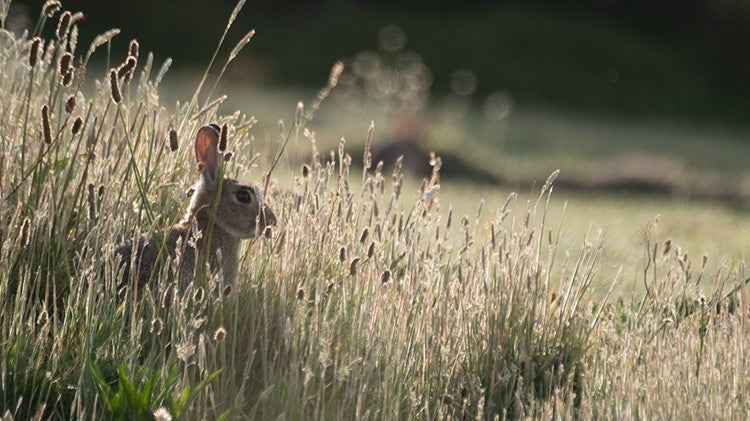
378, 294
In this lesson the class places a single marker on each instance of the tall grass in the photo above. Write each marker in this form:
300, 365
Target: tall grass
367, 300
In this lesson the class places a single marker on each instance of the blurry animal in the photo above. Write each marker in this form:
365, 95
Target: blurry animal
407, 141
221, 213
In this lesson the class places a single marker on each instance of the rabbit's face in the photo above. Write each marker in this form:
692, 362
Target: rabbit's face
242, 211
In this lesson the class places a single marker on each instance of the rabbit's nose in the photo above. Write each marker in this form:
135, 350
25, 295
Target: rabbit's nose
267, 217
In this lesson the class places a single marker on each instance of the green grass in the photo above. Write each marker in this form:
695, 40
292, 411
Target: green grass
370, 299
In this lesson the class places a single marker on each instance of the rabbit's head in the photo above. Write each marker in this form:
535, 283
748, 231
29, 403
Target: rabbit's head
239, 208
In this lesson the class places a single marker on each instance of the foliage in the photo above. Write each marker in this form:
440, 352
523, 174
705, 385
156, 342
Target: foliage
365, 301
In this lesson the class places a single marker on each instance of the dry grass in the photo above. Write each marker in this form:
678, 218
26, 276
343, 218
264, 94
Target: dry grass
368, 301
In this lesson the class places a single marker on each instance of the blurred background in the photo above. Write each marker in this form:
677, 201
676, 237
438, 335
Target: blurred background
642, 105
641, 95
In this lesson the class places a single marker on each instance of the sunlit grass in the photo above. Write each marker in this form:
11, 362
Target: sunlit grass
376, 296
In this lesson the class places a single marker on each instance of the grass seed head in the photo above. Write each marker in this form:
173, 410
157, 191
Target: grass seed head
228, 156
298, 114
198, 295
667, 246
51, 7
133, 48
64, 63
34, 51
68, 77
76, 17
220, 334
156, 326
114, 87
43, 318
126, 69
353, 266
342, 254
70, 104
76, 126
173, 144
336, 70
386, 276
45, 125
162, 414
223, 137
367, 155
73, 38
23, 236
166, 299
63, 25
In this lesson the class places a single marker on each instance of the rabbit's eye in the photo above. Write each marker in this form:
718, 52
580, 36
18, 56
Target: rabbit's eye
244, 196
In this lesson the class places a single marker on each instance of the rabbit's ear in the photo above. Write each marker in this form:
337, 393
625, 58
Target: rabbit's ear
206, 154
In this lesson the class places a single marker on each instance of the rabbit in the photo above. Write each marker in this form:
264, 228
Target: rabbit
239, 214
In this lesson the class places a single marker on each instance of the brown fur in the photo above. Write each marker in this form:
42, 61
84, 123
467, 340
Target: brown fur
232, 222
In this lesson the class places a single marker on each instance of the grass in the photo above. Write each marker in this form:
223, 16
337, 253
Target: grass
716, 230
370, 300
593, 153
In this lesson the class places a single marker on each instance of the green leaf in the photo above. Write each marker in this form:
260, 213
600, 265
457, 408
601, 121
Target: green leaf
146, 393
229, 414
178, 405
131, 395
166, 389
206, 381
105, 392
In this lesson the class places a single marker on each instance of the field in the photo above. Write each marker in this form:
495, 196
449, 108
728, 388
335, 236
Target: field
615, 176
378, 294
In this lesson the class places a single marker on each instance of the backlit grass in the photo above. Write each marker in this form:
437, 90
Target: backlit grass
371, 299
